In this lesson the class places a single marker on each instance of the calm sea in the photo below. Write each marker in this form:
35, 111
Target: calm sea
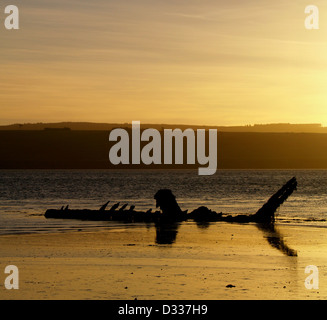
26, 194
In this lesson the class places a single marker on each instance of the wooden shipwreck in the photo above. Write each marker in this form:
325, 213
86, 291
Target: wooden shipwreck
170, 210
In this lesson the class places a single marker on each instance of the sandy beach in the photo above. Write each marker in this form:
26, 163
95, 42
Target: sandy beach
223, 261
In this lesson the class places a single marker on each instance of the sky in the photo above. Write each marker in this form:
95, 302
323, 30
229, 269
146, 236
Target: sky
203, 62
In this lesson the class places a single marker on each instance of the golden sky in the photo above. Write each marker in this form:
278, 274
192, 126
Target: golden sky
206, 62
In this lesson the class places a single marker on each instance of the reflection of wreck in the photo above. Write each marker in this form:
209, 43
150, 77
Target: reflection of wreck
275, 239
171, 212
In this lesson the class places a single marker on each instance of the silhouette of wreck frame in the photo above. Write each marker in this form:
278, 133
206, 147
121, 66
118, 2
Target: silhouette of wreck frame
167, 220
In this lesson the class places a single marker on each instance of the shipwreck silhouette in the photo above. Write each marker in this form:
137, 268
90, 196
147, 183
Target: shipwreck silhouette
171, 212
168, 219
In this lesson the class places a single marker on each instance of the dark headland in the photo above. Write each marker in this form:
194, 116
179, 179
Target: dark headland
86, 146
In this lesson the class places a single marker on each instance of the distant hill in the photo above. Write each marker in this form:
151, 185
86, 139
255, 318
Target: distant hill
88, 126
83, 149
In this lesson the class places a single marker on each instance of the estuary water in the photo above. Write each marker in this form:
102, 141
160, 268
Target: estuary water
25, 195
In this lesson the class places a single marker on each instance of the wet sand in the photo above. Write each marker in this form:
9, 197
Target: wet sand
224, 261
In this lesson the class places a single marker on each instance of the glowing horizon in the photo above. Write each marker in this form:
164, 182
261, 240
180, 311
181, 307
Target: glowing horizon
187, 62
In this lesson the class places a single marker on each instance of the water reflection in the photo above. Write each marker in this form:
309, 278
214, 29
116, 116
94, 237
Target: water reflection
275, 239
166, 233
203, 224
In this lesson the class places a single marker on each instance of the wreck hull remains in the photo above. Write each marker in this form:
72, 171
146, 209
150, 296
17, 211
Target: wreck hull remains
170, 211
